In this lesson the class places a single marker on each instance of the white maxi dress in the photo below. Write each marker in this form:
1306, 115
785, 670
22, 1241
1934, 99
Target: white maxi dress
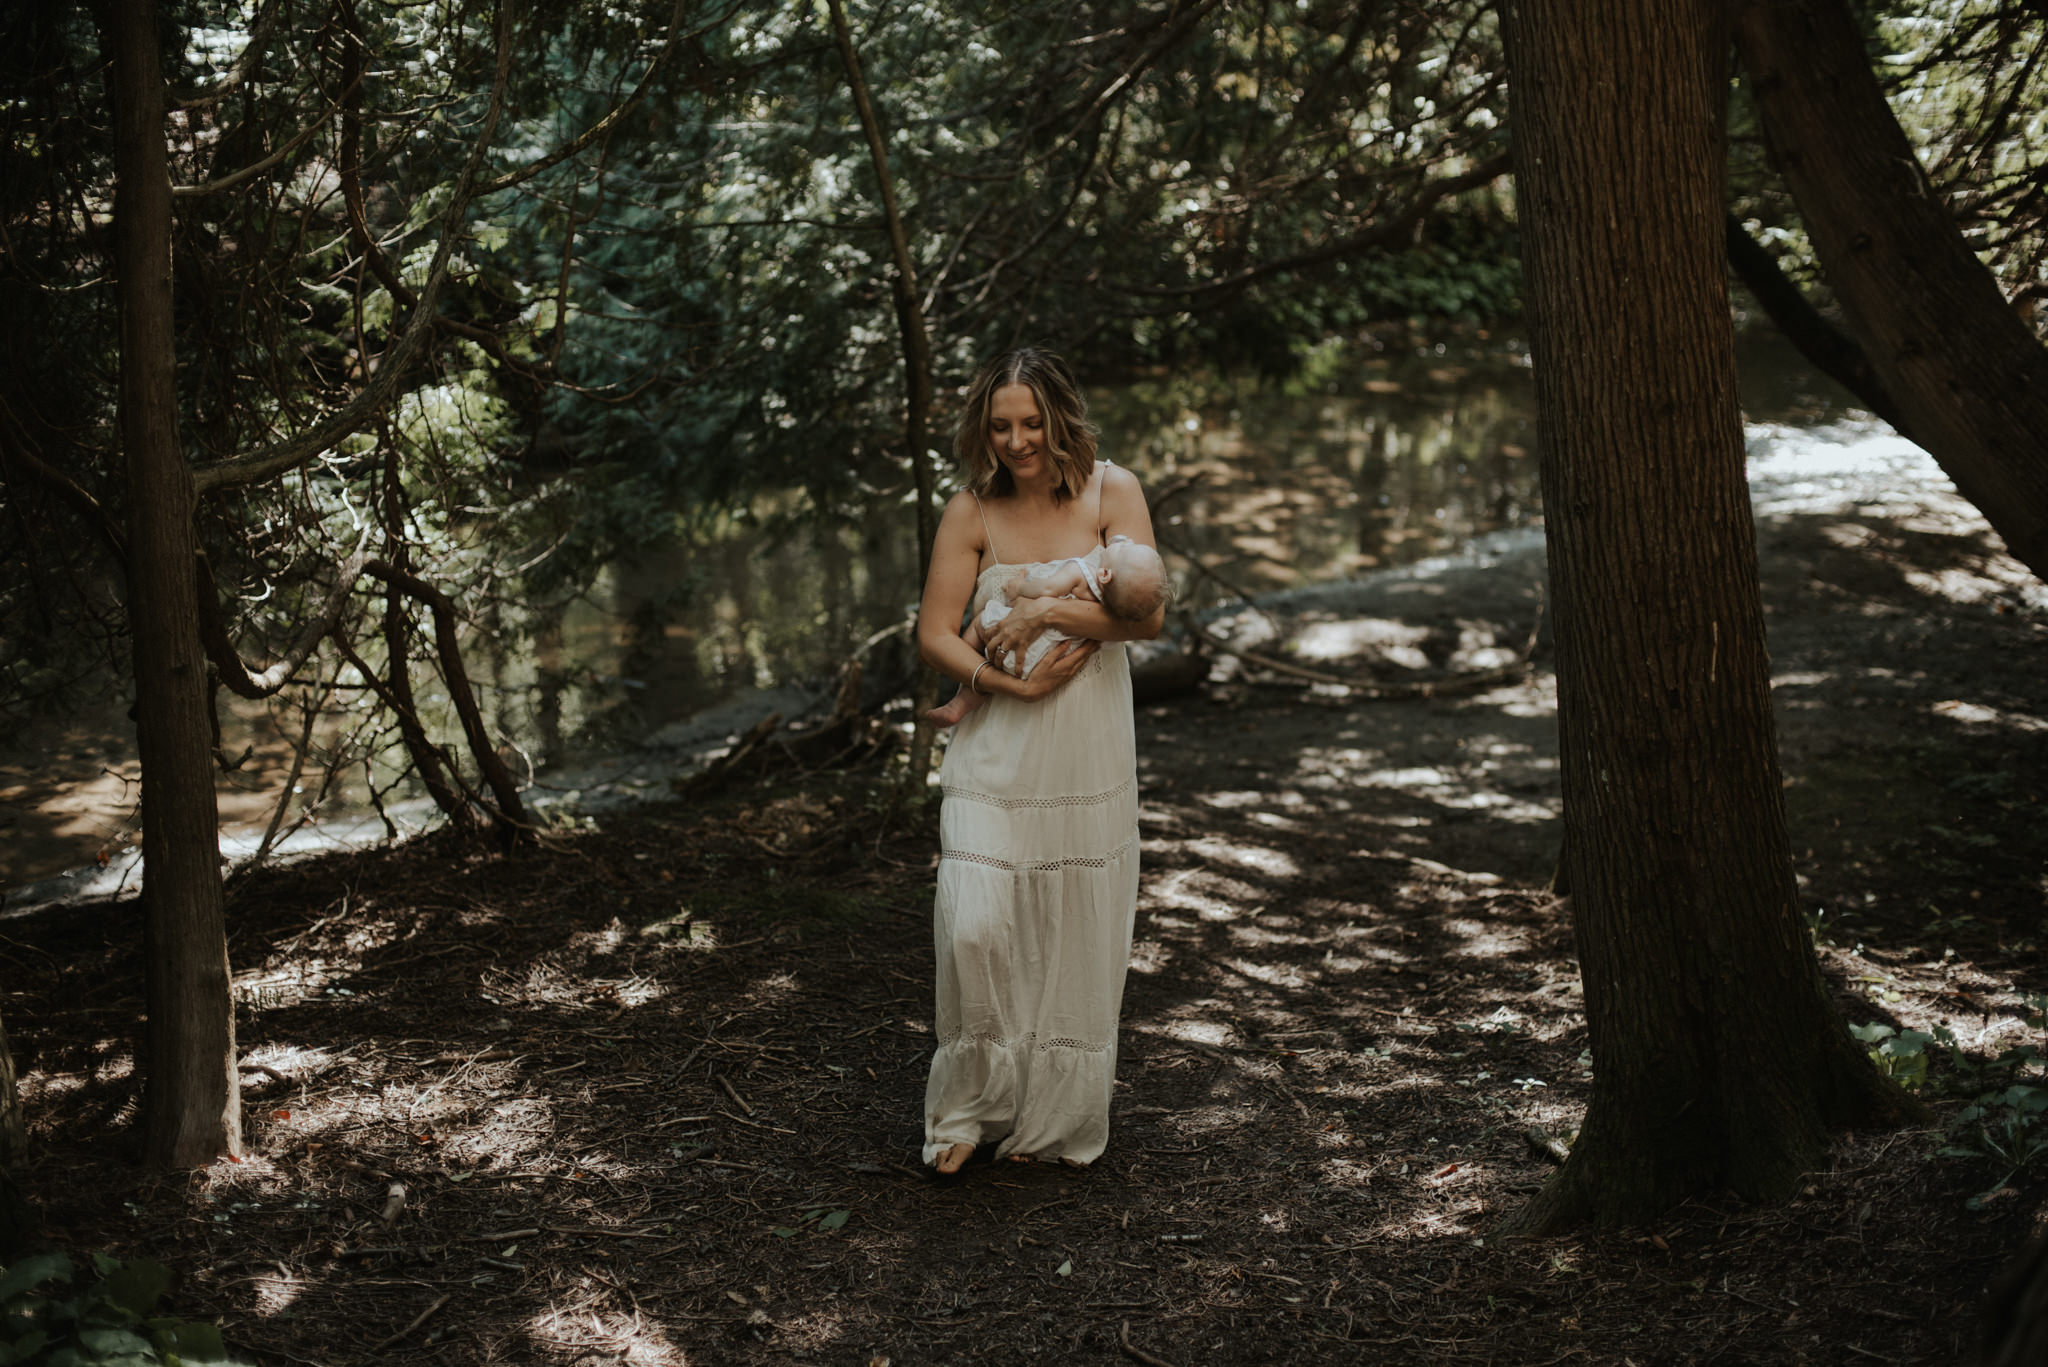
1037, 893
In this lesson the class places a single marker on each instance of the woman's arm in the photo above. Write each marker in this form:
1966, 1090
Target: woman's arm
1123, 514
948, 587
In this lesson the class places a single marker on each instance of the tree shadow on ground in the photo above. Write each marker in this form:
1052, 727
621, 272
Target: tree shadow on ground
653, 1090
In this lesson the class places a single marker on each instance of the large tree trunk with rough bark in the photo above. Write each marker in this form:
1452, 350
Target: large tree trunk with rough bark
193, 1106
1719, 1060
1968, 376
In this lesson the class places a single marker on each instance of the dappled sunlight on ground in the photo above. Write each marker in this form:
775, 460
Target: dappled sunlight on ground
1977, 714
653, 1095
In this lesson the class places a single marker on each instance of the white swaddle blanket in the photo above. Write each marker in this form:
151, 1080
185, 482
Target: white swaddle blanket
996, 610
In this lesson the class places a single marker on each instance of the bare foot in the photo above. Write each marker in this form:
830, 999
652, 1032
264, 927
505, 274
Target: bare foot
955, 710
953, 1159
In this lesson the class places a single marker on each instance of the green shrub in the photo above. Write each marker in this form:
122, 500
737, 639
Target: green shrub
47, 1321
2006, 1120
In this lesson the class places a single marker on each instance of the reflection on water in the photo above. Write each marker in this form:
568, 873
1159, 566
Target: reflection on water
1257, 488
728, 608
1269, 488
1360, 464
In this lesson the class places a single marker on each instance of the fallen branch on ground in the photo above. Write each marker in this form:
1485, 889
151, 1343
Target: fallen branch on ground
418, 1320
1547, 1146
1367, 691
1135, 1353
1373, 690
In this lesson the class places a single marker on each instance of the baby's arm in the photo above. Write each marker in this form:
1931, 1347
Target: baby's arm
1058, 581
976, 633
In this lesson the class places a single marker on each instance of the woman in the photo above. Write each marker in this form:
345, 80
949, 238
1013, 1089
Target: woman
1038, 870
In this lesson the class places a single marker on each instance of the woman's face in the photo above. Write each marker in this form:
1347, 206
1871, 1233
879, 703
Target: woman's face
1017, 431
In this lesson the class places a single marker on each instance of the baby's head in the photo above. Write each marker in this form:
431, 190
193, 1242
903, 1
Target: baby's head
1133, 580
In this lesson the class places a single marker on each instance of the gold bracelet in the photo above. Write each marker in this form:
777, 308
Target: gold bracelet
974, 679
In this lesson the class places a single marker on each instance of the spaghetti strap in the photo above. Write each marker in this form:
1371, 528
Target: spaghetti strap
1101, 480
994, 557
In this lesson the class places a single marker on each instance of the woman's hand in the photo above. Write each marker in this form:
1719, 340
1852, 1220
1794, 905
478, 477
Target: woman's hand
1028, 620
1060, 664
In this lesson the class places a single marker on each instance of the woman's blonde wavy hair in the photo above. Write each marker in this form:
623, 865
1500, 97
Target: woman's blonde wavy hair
1069, 436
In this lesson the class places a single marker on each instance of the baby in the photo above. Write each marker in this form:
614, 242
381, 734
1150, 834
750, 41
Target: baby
1130, 584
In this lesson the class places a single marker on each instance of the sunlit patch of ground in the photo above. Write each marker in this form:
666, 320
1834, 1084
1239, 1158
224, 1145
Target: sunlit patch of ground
665, 1109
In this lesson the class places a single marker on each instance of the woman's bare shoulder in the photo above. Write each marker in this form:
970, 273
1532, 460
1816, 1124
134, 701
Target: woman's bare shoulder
1118, 481
960, 527
961, 513
1121, 491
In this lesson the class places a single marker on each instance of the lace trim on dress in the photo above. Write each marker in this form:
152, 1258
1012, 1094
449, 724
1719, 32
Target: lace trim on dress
1012, 803
1082, 861
1028, 1041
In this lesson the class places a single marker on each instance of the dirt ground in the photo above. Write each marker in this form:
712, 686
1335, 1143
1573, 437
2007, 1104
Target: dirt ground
653, 1092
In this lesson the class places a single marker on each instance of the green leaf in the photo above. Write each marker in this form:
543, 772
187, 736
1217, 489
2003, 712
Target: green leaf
23, 1349
33, 1272
108, 1342
192, 1343
1066, 1269
783, 1232
137, 1285
836, 1219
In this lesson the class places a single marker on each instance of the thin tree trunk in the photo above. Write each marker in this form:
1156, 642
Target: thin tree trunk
511, 811
917, 368
13, 1135
396, 689
1967, 374
1719, 1060
193, 1104
17, 1218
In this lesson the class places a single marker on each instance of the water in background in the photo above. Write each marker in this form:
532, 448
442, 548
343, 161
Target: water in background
1363, 463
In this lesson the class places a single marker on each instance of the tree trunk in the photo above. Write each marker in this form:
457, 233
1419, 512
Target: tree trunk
1720, 1062
917, 369
1966, 373
13, 1135
510, 813
1831, 351
17, 1219
193, 1104
396, 689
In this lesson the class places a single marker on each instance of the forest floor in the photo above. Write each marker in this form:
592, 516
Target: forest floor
653, 1090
